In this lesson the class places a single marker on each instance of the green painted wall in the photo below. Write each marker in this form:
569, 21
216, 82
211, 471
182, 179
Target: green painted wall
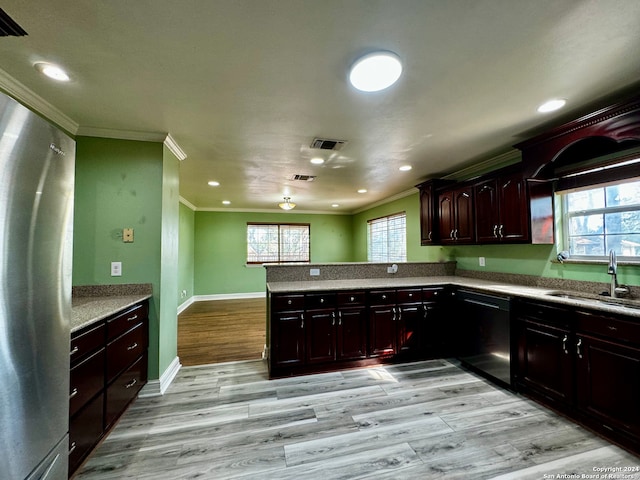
409, 204
221, 247
522, 259
186, 253
168, 319
119, 183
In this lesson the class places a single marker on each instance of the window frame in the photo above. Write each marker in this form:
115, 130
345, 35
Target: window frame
402, 214
566, 220
279, 225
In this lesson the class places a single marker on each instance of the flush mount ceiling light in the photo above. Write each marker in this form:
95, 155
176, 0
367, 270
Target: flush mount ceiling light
213, 183
405, 168
362, 190
52, 71
317, 161
287, 204
552, 105
375, 71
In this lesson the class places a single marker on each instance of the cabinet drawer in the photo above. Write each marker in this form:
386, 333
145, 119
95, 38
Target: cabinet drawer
351, 299
429, 294
124, 321
614, 328
87, 379
546, 314
382, 297
409, 295
86, 342
282, 303
124, 350
124, 389
85, 430
319, 300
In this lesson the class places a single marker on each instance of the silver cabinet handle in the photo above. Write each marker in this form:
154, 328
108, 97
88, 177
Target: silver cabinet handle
74, 351
451, 234
564, 344
339, 318
429, 236
73, 393
352, 299
500, 231
456, 233
495, 231
302, 320
72, 447
333, 318
131, 383
131, 319
322, 300
289, 302
578, 345
131, 347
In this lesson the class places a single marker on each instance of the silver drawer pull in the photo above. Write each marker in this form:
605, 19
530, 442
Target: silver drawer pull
352, 299
73, 393
74, 351
612, 328
72, 447
131, 383
131, 347
131, 319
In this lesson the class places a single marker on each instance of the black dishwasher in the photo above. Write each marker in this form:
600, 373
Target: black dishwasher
483, 333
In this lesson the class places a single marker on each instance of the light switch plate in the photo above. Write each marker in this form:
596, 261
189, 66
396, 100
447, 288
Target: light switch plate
314, 272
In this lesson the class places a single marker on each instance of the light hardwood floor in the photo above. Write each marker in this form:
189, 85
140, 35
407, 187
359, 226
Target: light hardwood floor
222, 331
421, 420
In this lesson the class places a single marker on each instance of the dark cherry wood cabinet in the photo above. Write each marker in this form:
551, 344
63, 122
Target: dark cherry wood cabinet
607, 351
351, 338
545, 362
108, 369
456, 219
583, 363
429, 223
502, 210
319, 331
382, 323
288, 331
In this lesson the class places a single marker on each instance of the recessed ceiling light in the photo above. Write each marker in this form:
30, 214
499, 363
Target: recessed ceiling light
335, 205
362, 190
552, 105
52, 71
375, 71
317, 161
226, 202
405, 168
213, 183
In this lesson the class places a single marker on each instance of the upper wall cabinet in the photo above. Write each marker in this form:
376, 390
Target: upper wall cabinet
429, 224
501, 208
455, 212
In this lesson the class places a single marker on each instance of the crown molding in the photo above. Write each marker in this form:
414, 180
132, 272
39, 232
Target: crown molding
122, 134
187, 203
484, 166
384, 201
173, 146
36, 103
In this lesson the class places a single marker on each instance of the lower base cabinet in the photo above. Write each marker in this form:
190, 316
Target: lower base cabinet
585, 364
320, 331
108, 369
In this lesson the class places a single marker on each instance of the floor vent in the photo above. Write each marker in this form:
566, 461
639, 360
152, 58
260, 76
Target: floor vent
327, 144
9, 27
303, 178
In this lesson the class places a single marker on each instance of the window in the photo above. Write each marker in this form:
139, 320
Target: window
597, 220
387, 239
277, 243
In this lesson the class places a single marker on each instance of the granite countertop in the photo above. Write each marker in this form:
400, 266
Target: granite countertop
90, 304
575, 299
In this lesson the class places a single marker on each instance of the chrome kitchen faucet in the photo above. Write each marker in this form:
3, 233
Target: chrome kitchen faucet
616, 290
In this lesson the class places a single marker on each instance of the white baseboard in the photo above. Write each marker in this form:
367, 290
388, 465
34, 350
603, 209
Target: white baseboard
182, 307
155, 388
229, 296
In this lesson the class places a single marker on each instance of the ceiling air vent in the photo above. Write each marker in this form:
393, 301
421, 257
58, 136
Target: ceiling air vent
327, 144
303, 178
9, 27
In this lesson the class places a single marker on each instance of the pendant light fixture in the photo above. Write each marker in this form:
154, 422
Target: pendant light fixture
287, 204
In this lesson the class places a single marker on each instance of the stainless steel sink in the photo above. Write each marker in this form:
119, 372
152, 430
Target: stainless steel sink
596, 299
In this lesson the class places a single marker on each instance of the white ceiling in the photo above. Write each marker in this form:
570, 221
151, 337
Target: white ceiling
243, 86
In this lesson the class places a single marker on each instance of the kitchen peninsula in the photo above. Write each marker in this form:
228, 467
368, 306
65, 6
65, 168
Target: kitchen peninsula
568, 346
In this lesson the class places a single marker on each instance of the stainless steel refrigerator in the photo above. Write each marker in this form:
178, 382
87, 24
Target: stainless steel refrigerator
36, 220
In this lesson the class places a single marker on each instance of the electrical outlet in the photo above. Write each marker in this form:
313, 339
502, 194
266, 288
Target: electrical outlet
116, 269
127, 235
314, 272
481, 261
